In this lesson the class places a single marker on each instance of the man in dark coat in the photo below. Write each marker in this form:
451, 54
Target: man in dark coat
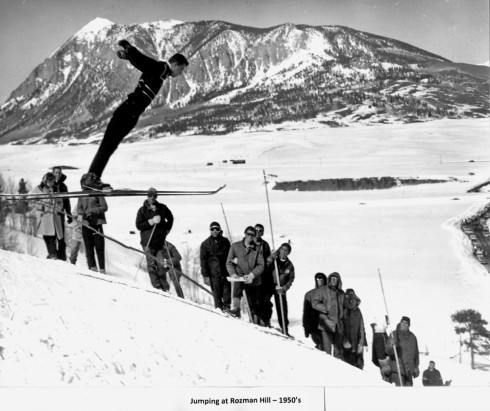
408, 354
127, 114
285, 276
246, 262
60, 187
329, 301
354, 332
311, 316
432, 377
267, 286
154, 220
213, 254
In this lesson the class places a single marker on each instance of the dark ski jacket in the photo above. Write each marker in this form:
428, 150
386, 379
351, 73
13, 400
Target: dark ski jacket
153, 74
310, 315
432, 378
286, 272
60, 187
92, 209
213, 255
407, 350
267, 282
330, 303
354, 331
243, 260
160, 232
379, 345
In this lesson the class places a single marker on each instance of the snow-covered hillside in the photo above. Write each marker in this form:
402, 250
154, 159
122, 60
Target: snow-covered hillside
410, 233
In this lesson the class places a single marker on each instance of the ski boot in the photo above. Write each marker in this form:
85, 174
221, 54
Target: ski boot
92, 182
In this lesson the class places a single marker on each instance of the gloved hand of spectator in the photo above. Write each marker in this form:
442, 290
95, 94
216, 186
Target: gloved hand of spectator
151, 222
157, 219
207, 281
359, 349
248, 278
280, 290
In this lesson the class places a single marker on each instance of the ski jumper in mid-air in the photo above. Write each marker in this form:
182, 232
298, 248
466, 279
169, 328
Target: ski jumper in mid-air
126, 115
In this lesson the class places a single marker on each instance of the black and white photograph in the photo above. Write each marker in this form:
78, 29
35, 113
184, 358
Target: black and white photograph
244, 205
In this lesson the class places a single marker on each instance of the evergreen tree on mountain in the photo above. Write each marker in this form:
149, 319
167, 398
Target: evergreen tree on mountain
471, 322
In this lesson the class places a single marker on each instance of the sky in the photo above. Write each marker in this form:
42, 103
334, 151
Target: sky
31, 30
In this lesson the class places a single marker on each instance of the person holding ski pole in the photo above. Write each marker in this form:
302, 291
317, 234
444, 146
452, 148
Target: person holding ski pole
405, 343
154, 220
127, 114
266, 289
285, 274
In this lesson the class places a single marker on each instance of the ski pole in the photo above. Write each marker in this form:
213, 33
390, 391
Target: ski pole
391, 334
275, 261
146, 249
226, 222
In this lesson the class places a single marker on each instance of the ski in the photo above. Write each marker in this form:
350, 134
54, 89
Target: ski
113, 193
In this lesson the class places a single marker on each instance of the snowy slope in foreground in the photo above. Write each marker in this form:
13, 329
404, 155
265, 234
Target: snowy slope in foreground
61, 327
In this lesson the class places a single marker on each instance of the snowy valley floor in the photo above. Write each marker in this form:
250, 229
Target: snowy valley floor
411, 234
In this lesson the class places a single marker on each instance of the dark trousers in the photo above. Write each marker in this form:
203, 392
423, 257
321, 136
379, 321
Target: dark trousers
253, 296
332, 339
156, 269
354, 358
266, 293
278, 296
406, 379
122, 122
94, 244
316, 336
50, 241
221, 292
61, 245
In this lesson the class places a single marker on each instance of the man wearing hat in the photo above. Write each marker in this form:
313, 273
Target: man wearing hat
154, 221
405, 343
213, 254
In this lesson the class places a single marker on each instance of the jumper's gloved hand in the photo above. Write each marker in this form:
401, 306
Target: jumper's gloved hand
123, 54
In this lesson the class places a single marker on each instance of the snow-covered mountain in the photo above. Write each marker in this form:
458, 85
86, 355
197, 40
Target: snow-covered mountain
241, 77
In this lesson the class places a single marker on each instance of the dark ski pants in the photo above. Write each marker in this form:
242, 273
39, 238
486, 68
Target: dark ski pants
332, 340
253, 295
353, 358
278, 296
156, 269
266, 293
50, 241
122, 122
406, 379
221, 292
61, 245
94, 244
316, 336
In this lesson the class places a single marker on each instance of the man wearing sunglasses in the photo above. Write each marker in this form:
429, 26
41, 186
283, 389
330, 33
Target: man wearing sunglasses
154, 221
245, 260
213, 253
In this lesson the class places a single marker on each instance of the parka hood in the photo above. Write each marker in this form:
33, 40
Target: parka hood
322, 276
335, 274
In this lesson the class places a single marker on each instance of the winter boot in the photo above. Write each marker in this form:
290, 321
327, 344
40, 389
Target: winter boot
91, 181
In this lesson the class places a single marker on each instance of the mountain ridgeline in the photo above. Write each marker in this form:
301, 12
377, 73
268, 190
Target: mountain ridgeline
239, 78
